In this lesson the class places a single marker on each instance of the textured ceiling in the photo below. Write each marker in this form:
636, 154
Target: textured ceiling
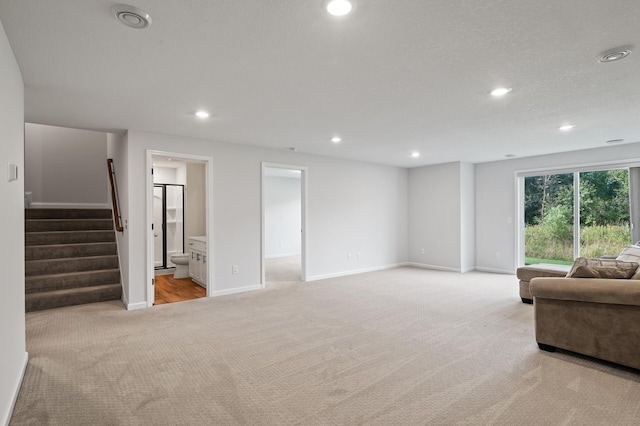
393, 77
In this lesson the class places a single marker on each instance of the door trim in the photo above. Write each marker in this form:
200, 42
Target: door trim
304, 207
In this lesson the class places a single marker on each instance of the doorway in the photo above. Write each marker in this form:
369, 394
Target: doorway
283, 224
179, 210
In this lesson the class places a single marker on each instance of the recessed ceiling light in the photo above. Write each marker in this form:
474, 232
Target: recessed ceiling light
615, 141
500, 91
614, 54
510, 155
415, 154
202, 114
339, 7
131, 16
336, 139
567, 127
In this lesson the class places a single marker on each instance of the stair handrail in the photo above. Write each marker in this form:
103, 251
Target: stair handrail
114, 195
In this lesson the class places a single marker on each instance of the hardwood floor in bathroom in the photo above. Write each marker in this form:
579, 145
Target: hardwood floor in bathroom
169, 289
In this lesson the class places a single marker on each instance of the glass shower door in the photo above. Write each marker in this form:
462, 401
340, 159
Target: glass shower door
168, 223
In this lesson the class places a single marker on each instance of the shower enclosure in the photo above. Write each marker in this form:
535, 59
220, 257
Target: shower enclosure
168, 223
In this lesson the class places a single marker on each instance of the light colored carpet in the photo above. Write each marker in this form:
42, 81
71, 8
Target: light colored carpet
397, 347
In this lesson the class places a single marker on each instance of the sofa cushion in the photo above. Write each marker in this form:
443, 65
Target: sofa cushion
630, 254
526, 273
636, 276
592, 290
602, 268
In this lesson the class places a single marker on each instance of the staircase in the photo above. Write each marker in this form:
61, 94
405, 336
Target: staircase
70, 258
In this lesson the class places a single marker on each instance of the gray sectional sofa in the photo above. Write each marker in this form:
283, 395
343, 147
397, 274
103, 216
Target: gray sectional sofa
594, 310
590, 316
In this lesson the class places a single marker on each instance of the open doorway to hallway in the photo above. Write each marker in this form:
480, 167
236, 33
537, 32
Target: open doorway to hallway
179, 228
283, 218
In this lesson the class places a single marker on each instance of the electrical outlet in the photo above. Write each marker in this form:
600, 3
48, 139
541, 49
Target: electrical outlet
358, 255
498, 255
235, 269
421, 251
348, 256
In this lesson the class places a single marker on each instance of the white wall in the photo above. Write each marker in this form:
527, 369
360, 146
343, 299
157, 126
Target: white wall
181, 174
13, 353
496, 212
435, 218
117, 149
467, 217
164, 175
65, 167
353, 208
283, 216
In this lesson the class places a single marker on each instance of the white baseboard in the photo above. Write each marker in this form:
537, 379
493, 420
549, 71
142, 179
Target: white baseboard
495, 271
275, 256
18, 385
354, 272
132, 306
218, 293
136, 306
437, 268
37, 205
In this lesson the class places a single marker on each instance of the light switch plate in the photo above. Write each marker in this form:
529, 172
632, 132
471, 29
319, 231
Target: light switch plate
13, 172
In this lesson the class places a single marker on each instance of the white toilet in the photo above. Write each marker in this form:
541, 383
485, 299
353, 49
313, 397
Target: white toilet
181, 260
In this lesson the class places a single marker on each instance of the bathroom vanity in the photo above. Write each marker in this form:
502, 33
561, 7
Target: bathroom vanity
198, 260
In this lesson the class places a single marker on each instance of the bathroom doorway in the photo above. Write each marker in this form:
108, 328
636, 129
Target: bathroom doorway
178, 215
283, 224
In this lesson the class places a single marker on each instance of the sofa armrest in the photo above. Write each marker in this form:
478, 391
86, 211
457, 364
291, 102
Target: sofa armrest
595, 290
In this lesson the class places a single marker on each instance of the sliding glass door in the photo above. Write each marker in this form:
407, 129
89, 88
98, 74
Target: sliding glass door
575, 214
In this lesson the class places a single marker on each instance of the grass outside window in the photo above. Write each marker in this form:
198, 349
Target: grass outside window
595, 241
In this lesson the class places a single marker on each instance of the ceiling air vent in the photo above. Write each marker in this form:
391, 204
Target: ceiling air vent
614, 54
131, 16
